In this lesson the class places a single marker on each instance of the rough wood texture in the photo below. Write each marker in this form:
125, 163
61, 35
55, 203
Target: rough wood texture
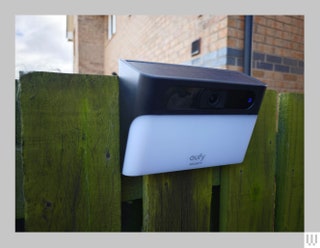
70, 126
290, 164
19, 170
248, 189
177, 201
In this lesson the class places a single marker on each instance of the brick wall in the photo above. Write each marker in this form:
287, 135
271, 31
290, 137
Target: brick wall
278, 51
235, 44
277, 44
164, 38
90, 44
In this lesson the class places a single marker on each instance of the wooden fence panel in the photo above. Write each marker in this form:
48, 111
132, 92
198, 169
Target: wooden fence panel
177, 201
248, 189
70, 126
73, 182
290, 164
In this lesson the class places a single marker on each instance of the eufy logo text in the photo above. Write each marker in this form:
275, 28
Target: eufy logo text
196, 159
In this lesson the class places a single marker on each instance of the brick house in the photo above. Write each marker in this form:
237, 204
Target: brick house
270, 48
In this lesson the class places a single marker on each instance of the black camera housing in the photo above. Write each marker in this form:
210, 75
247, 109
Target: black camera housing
149, 88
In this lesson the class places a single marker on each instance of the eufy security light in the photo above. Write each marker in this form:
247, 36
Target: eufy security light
178, 117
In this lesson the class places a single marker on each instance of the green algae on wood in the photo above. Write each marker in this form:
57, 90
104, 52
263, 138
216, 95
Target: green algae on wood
248, 189
69, 123
289, 215
178, 201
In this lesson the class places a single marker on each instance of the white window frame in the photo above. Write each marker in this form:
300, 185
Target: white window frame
112, 26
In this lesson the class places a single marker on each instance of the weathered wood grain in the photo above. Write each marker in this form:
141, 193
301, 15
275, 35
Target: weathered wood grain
248, 189
70, 132
19, 171
177, 201
290, 164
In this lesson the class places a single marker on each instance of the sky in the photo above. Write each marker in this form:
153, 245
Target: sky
41, 44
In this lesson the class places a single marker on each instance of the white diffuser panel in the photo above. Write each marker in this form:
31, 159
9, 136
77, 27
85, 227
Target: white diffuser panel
164, 143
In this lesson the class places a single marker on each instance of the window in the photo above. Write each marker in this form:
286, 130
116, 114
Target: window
195, 47
111, 26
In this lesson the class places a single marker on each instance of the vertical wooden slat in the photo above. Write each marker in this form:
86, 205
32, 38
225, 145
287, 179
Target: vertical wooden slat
248, 189
177, 201
70, 132
19, 170
290, 164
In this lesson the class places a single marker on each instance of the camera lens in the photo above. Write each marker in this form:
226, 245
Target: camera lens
213, 99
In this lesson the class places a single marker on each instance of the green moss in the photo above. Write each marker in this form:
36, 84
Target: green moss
289, 215
247, 189
68, 122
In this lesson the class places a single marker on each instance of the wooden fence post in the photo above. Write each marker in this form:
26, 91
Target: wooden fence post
289, 216
70, 133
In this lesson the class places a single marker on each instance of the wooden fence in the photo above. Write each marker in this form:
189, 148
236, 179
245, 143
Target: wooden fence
68, 175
